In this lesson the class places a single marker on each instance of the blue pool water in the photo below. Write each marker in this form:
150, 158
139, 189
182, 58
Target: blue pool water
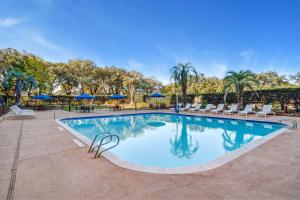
170, 140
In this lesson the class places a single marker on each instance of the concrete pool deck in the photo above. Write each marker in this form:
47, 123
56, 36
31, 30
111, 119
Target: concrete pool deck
50, 165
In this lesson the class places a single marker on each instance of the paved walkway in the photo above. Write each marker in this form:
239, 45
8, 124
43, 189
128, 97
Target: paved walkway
49, 165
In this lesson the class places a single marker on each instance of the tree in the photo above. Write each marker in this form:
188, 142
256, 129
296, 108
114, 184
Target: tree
115, 79
82, 70
52, 82
238, 82
18, 79
30, 73
150, 85
132, 81
181, 74
37, 68
8, 58
205, 85
65, 77
97, 82
271, 79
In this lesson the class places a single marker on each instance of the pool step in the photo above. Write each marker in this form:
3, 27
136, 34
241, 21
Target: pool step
107, 138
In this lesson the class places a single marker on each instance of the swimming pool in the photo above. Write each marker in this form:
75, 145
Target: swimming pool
164, 140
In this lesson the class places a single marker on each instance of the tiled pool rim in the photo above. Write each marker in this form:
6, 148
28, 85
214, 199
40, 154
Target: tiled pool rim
182, 170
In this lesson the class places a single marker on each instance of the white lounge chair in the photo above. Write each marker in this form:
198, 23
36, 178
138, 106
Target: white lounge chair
218, 109
179, 106
196, 108
207, 108
18, 113
233, 109
267, 109
248, 109
187, 107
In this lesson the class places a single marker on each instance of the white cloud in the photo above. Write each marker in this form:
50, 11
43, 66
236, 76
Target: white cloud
42, 41
34, 41
7, 22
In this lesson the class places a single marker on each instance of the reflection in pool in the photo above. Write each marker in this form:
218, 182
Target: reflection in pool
169, 140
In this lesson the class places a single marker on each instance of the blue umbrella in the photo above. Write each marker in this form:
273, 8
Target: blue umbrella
42, 97
117, 96
156, 95
84, 96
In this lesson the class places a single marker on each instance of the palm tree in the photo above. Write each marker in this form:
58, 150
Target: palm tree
238, 81
181, 74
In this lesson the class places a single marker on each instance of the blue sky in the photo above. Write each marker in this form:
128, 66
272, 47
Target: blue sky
151, 36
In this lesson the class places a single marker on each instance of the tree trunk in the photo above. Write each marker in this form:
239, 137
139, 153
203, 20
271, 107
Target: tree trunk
131, 96
29, 92
183, 90
18, 92
241, 98
82, 89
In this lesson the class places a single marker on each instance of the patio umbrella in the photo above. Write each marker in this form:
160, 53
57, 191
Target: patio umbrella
156, 96
84, 96
117, 96
42, 97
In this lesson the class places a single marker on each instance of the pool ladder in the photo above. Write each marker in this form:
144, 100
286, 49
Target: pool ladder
289, 123
107, 138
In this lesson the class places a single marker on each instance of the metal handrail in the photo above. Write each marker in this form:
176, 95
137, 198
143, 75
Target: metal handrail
91, 149
97, 155
293, 122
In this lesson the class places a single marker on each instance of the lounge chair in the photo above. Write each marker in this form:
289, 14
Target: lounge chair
233, 109
18, 113
218, 109
187, 107
179, 106
247, 110
196, 108
207, 108
267, 109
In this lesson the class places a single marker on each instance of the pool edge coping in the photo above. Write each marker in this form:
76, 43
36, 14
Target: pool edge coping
228, 157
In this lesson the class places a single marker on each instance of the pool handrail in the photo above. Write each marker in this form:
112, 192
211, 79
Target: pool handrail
289, 123
97, 155
91, 149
